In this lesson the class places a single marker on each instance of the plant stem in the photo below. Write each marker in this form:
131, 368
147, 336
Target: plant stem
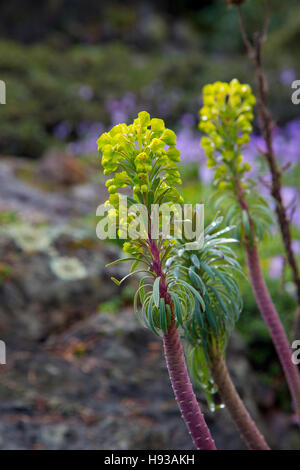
267, 309
274, 324
267, 126
183, 390
182, 387
243, 421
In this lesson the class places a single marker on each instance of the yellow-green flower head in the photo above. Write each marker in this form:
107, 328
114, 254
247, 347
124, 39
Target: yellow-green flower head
138, 153
141, 156
226, 119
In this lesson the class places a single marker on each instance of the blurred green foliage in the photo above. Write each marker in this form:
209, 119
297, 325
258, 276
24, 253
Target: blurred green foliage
43, 87
162, 53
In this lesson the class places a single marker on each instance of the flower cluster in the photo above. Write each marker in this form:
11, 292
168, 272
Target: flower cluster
226, 118
141, 156
139, 149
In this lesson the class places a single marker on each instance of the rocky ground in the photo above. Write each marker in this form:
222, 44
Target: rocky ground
102, 384
79, 379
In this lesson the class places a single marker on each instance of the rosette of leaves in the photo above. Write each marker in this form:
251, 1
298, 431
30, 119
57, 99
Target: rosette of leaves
211, 272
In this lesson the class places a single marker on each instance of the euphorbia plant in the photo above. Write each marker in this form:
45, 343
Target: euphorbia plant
146, 154
267, 125
212, 270
226, 118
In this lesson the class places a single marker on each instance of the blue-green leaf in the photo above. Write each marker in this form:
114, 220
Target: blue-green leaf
198, 314
162, 316
195, 292
169, 314
178, 308
156, 291
196, 280
208, 270
151, 313
195, 261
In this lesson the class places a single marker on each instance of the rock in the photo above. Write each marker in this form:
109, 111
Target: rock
56, 400
58, 436
61, 168
34, 302
32, 204
51, 397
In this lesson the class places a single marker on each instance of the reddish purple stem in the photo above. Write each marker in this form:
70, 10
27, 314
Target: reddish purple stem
183, 391
274, 324
177, 368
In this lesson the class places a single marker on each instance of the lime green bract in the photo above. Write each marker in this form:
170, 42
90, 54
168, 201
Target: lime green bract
143, 150
141, 156
226, 117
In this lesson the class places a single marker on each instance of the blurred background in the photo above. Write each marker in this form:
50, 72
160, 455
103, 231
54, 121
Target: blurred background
81, 373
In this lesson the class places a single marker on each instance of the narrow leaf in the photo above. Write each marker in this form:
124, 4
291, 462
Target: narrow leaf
162, 316
156, 291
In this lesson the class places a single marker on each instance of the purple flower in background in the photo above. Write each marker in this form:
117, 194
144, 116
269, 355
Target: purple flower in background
62, 130
120, 110
276, 267
292, 129
86, 92
287, 76
205, 174
289, 195
252, 152
286, 142
164, 106
87, 144
187, 120
286, 139
292, 148
83, 128
296, 246
188, 142
291, 201
189, 145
